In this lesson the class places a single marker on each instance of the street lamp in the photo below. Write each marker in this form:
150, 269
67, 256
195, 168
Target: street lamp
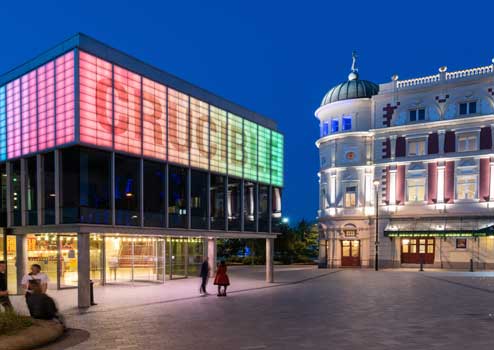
376, 203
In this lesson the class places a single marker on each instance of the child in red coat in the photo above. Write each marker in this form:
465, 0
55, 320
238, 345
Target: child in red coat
221, 279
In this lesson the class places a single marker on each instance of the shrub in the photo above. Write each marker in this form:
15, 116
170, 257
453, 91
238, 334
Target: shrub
11, 322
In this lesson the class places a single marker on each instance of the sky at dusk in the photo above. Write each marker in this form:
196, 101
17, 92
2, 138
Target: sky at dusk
277, 58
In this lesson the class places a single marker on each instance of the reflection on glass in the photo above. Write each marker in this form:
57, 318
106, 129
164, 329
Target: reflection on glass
3, 195
276, 214
250, 201
68, 261
195, 256
264, 208
16, 193
127, 191
11, 266
154, 194
177, 199
48, 164
95, 258
178, 258
199, 200
217, 202
69, 183
233, 204
43, 250
31, 203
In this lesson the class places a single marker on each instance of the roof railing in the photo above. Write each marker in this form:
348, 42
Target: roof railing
442, 76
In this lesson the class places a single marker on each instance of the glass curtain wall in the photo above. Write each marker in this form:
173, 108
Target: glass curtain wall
130, 259
199, 199
233, 204
69, 185
48, 171
177, 199
96, 259
195, 256
264, 208
127, 191
217, 202
16, 193
11, 251
3, 195
154, 194
95, 187
67, 245
250, 206
31, 193
276, 214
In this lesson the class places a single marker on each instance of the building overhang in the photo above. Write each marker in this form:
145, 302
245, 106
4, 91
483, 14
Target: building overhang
126, 230
450, 227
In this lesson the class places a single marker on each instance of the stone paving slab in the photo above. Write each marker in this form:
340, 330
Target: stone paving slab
308, 309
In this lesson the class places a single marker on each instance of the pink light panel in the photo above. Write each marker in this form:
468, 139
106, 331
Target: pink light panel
46, 105
65, 98
154, 119
28, 120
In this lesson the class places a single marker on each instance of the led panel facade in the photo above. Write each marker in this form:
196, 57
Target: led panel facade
218, 132
264, 155
121, 110
235, 148
250, 150
276, 158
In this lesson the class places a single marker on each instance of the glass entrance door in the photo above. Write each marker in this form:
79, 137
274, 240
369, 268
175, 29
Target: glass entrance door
178, 258
350, 253
67, 262
10, 258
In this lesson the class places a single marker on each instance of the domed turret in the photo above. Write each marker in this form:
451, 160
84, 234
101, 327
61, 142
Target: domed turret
353, 88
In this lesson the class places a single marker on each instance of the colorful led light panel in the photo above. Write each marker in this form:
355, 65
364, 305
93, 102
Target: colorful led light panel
276, 159
250, 150
14, 118
235, 142
218, 142
178, 127
199, 134
154, 119
3, 124
64, 102
46, 105
264, 154
28, 112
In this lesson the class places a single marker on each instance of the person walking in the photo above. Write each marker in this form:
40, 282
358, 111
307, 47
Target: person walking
4, 293
34, 275
221, 279
204, 276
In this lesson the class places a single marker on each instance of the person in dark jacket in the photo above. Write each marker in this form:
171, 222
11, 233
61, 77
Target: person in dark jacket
42, 306
221, 279
204, 276
4, 293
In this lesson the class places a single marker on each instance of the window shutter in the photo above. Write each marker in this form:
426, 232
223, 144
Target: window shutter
386, 151
433, 143
484, 179
449, 142
400, 184
449, 182
432, 183
485, 138
400, 146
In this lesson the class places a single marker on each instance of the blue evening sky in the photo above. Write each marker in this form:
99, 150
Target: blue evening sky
277, 58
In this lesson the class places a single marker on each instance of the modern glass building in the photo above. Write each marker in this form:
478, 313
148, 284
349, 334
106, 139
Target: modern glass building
115, 171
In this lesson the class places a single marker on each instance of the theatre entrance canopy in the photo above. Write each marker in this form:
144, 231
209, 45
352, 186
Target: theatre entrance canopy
435, 227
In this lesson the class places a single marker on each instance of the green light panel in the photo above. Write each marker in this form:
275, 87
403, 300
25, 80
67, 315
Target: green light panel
276, 159
264, 168
250, 150
218, 139
235, 152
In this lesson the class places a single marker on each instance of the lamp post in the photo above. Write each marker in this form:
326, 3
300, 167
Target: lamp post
376, 204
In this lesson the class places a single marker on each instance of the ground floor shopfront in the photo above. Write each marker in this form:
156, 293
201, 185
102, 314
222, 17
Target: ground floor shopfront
72, 260
439, 243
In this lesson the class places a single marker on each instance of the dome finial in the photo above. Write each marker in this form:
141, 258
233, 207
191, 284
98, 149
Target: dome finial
354, 70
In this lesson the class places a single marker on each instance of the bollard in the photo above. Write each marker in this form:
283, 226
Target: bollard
91, 292
421, 264
471, 265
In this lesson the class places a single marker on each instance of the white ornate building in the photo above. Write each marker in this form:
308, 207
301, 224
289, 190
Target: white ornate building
426, 146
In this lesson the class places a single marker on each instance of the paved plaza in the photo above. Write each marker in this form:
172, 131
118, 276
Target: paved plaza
306, 309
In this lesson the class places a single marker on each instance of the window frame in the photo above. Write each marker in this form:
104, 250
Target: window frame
417, 114
457, 184
468, 105
355, 196
416, 141
467, 135
346, 117
333, 121
421, 178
